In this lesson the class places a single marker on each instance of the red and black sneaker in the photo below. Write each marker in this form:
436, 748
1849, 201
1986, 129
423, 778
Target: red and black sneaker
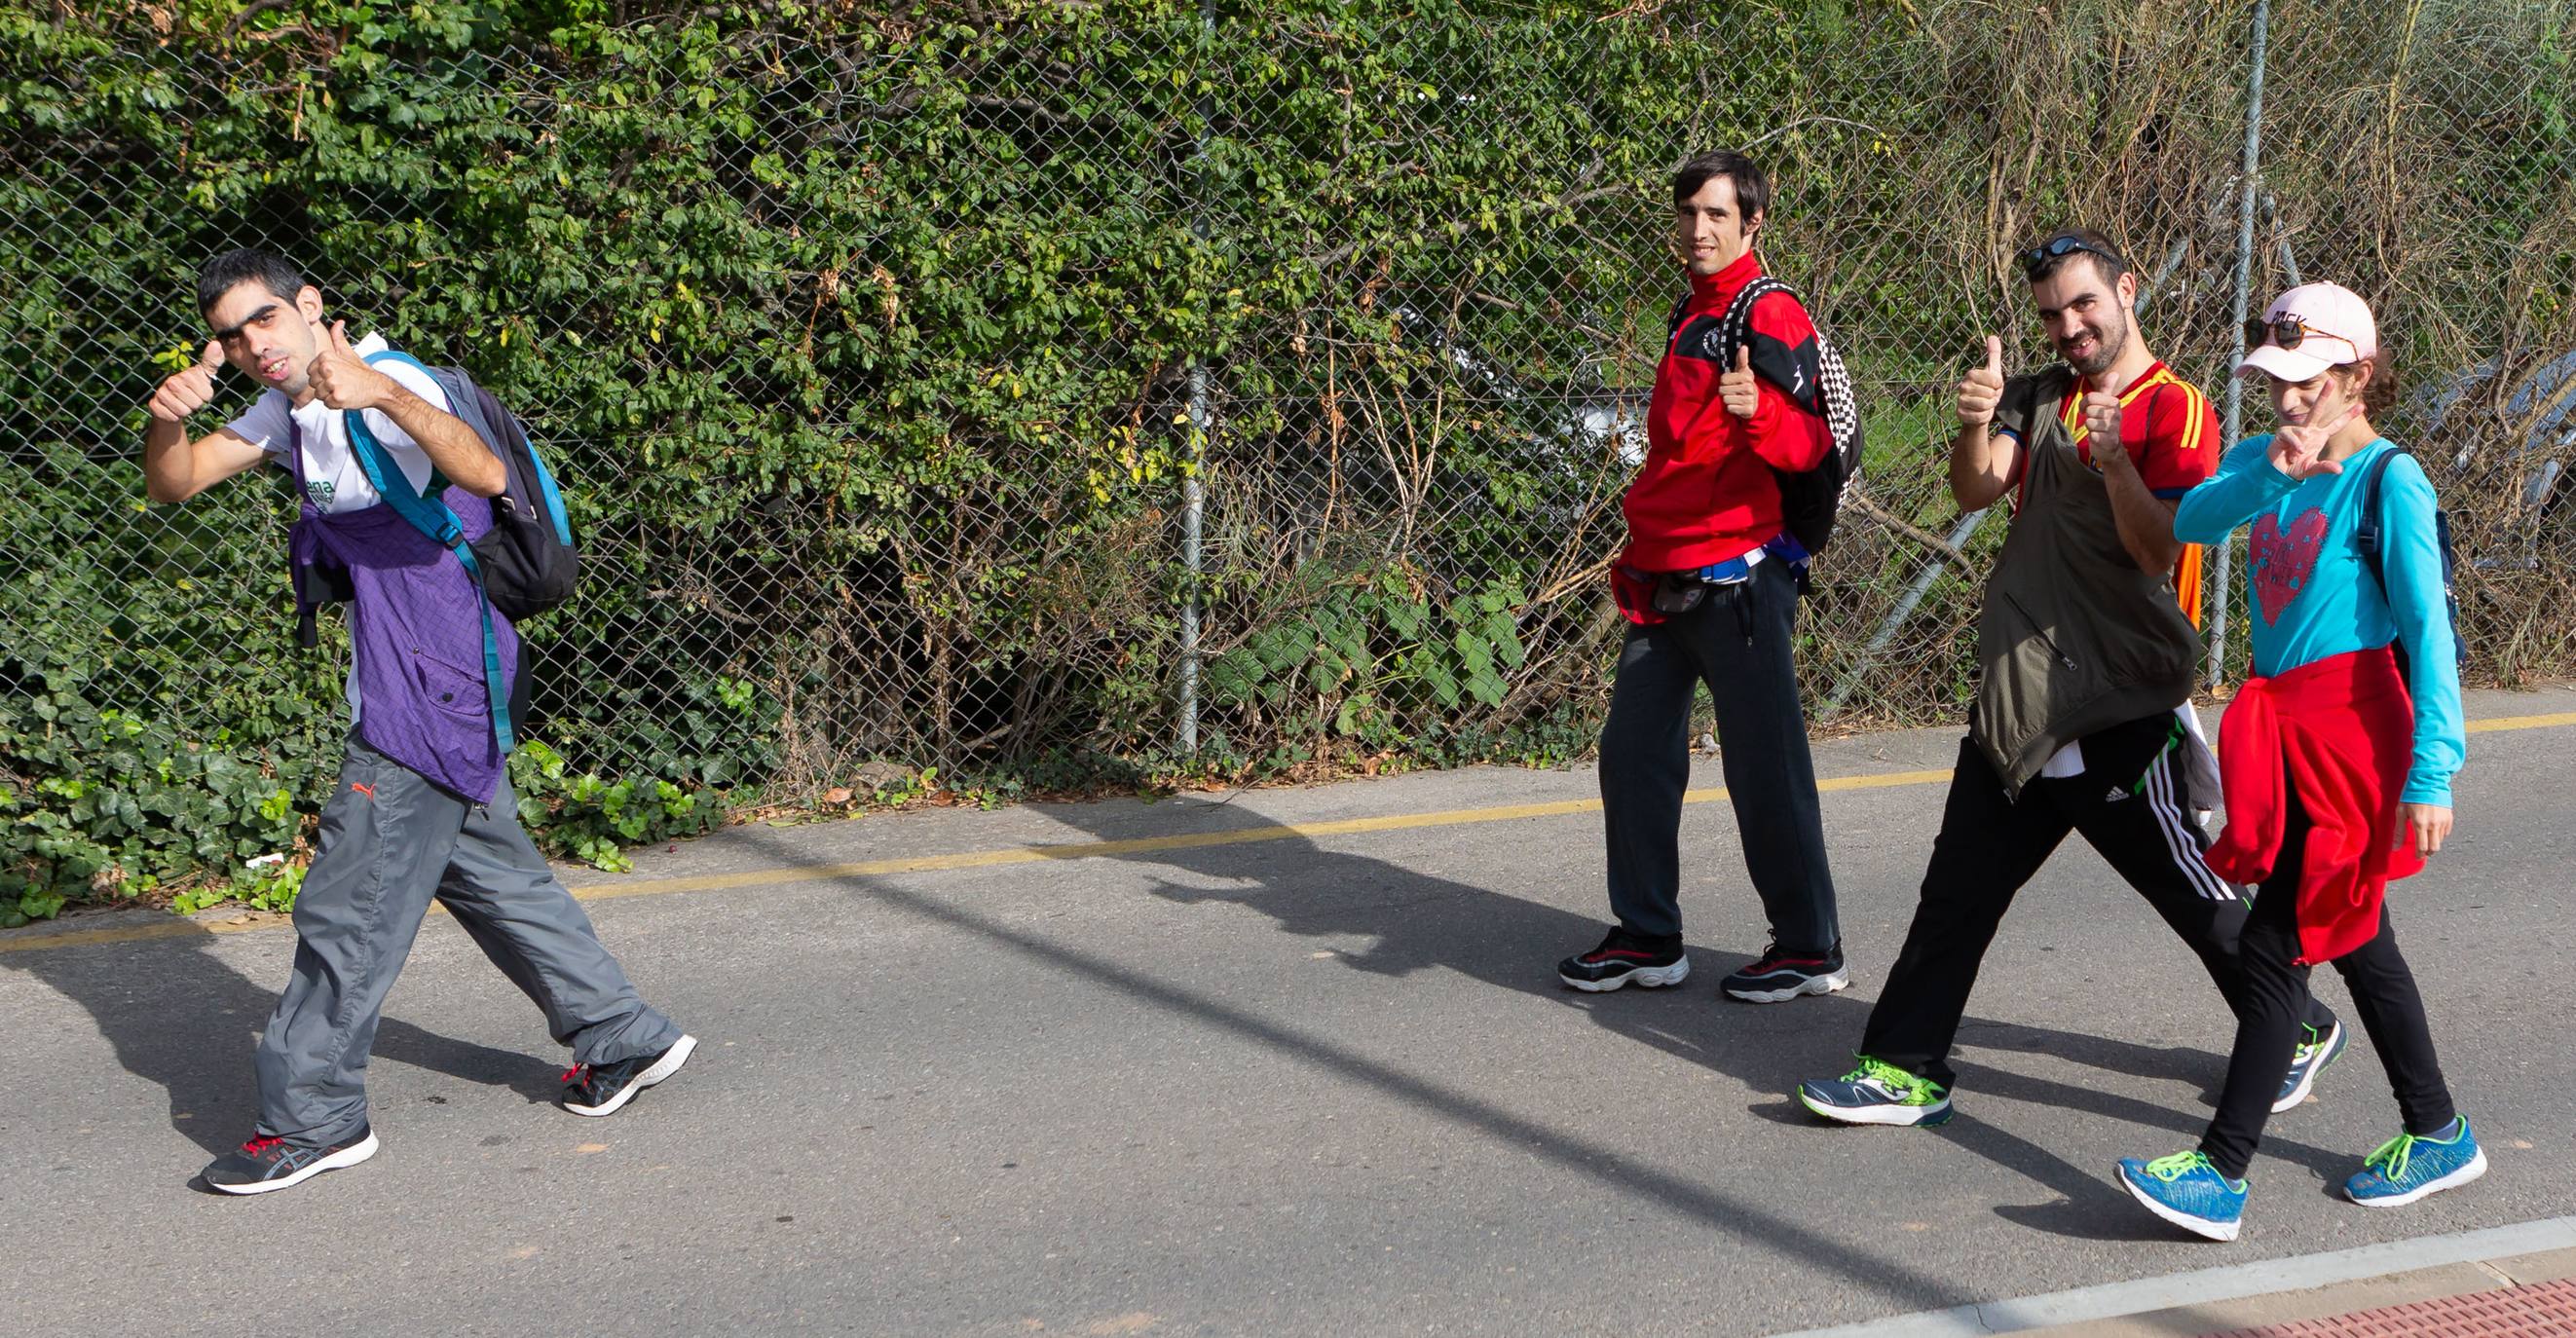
265, 1164
1625, 958
604, 1089
1777, 976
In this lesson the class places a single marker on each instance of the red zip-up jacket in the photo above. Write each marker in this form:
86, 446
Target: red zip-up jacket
2338, 734
1705, 493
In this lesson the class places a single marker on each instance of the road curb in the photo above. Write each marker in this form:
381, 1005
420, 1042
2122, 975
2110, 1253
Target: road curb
2316, 1285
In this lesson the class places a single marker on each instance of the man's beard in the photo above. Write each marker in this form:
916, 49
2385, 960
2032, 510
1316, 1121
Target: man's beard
2108, 345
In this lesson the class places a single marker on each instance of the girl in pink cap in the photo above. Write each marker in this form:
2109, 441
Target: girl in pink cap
2336, 757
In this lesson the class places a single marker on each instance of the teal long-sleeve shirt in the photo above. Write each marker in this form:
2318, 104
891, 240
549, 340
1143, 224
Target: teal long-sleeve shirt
2309, 592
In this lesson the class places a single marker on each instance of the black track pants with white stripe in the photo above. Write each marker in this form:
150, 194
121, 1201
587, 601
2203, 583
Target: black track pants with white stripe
2128, 805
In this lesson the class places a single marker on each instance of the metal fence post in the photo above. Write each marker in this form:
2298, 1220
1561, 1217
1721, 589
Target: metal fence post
1193, 556
2244, 296
1193, 488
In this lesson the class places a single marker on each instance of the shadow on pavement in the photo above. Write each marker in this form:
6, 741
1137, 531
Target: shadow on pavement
1746, 1220
181, 1017
1413, 921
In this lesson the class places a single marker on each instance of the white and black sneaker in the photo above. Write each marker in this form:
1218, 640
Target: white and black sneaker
604, 1089
265, 1164
1777, 977
1625, 958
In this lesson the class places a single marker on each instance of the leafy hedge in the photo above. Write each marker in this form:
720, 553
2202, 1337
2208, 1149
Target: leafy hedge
878, 342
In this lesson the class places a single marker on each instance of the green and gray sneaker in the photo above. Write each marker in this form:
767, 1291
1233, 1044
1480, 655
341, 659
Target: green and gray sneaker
2308, 1059
1877, 1093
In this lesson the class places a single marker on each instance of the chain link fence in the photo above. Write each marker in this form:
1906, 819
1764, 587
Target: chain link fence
1075, 392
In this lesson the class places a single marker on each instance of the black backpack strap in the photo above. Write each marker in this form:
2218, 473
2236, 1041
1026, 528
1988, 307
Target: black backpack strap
1736, 331
299, 573
2370, 533
1738, 325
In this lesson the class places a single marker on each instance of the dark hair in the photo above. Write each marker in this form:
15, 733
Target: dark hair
244, 265
2380, 396
2069, 244
1752, 188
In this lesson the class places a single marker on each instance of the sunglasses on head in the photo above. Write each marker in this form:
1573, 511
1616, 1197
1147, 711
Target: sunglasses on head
2036, 258
2286, 333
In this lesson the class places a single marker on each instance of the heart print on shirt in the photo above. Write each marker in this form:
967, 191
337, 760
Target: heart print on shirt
2284, 560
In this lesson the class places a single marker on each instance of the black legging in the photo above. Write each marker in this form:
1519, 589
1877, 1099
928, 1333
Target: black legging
2273, 995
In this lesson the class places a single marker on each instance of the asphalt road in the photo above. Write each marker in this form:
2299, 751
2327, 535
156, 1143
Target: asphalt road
1221, 1080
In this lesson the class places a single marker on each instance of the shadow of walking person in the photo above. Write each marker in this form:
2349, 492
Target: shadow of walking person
1407, 921
179, 1016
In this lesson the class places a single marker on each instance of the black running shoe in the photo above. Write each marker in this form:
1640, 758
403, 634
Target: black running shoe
265, 1164
1626, 959
1781, 976
604, 1089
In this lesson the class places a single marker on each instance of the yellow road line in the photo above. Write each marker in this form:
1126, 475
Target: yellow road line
175, 928
984, 859
1144, 845
2509, 722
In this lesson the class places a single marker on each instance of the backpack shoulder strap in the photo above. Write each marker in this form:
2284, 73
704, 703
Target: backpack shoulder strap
422, 509
1736, 322
2370, 534
1739, 313
397, 355
1832, 394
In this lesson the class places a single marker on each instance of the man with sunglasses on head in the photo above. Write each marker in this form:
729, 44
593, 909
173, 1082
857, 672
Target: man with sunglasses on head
2087, 643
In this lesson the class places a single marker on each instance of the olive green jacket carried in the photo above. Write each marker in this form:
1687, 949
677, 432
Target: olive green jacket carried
2074, 638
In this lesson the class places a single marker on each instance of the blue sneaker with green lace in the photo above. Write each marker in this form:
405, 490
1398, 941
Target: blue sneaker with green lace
1877, 1093
2186, 1190
2308, 1059
2407, 1168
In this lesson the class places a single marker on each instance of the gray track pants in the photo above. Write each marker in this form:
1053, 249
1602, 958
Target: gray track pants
390, 841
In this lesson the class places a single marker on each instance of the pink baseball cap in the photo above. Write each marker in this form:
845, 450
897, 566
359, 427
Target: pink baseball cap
2327, 325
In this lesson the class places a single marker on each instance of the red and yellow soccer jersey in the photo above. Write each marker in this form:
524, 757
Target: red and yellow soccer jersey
2172, 435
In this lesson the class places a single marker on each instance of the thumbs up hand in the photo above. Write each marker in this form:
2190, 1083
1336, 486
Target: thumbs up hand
343, 380
1983, 387
2102, 426
2102, 419
186, 392
1736, 388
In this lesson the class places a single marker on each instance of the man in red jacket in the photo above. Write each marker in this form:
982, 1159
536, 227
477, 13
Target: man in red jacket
1709, 583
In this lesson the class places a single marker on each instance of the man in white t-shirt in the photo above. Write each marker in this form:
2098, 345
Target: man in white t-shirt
423, 807
334, 480
313, 376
